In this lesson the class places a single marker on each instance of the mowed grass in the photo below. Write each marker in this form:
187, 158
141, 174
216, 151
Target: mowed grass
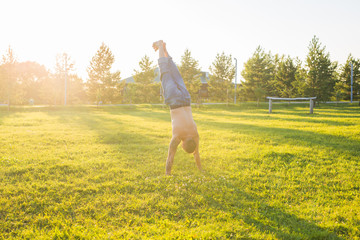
99, 173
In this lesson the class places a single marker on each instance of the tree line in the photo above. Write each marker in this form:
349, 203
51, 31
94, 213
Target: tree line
283, 76
263, 75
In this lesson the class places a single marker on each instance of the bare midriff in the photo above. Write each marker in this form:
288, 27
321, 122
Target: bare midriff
183, 124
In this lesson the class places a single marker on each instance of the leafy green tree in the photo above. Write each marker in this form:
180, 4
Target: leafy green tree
189, 70
76, 90
131, 93
2, 84
8, 76
320, 80
48, 91
102, 83
258, 74
30, 76
146, 90
22, 81
345, 78
222, 73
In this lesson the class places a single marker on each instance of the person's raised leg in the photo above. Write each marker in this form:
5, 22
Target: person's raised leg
168, 83
176, 73
179, 81
173, 67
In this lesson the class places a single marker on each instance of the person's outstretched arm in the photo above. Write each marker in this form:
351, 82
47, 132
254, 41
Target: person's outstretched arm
197, 155
171, 154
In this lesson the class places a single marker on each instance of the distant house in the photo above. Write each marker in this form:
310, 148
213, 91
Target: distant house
204, 79
156, 77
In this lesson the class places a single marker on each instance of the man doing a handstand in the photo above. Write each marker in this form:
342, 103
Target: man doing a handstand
178, 98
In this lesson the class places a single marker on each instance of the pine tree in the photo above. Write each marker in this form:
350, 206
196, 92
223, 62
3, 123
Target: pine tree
258, 75
345, 78
285, 77
222, 73
146, 73
146, 90
102, 84
300, 79
189, 70
320, 79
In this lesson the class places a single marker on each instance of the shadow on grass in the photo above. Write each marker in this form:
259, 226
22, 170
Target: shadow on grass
5, 114
275, 116
287, 226
106, 128
325, 111
223, 195
283, 135
224, 201
133, 142
257, 212
279, 135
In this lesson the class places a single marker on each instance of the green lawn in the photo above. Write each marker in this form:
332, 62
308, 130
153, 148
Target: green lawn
99, 173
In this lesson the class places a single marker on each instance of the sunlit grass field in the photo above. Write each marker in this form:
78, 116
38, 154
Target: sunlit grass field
99, 173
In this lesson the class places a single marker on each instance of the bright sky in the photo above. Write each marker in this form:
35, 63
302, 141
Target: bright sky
38, 30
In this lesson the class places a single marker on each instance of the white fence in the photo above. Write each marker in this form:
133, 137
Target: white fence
311, 99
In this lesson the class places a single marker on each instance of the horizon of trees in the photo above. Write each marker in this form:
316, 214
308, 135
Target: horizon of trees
264, 74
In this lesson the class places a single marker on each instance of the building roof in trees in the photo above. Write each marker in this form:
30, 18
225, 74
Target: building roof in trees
203, 76
129, 80
157, 75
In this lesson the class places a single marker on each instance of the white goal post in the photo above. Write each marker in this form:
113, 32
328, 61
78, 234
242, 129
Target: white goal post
311, 99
